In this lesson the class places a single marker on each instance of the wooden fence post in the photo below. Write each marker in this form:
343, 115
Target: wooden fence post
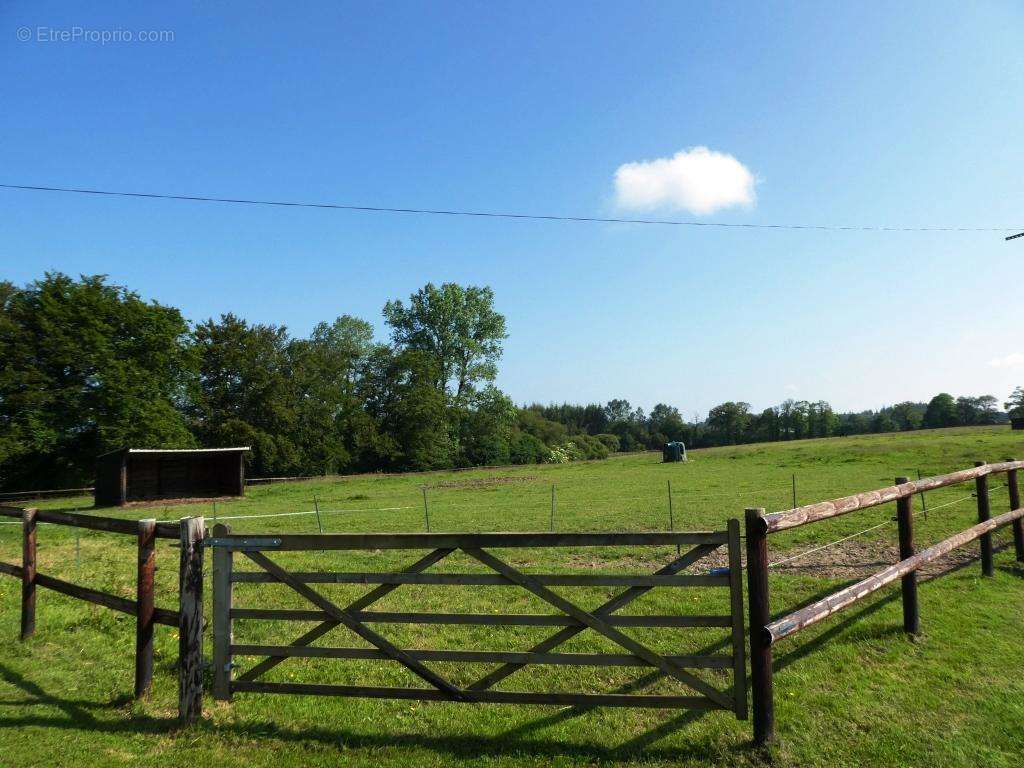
981, 490
222, 630
28, 573
146, 567
905, 522
190, 620
760, 648
1018, 525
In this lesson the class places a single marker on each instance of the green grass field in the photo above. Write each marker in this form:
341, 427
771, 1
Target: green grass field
850, 691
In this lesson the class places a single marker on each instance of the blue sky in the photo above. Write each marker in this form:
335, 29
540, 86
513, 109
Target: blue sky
906, 115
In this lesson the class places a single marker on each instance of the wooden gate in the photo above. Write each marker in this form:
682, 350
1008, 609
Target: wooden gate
569, 621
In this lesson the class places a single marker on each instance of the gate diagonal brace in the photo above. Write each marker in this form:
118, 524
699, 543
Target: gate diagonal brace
324, 627
592, 621
343, 617
620, 600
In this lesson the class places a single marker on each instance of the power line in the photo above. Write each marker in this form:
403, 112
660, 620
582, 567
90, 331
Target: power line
496, 215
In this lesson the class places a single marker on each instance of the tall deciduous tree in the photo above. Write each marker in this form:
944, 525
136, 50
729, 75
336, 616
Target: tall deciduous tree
457, 327
728, 422
86, 367
247, 394
1015, 404
941, 411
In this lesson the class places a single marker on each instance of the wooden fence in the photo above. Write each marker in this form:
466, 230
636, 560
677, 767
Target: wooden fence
570, 620
188, 618
764, 632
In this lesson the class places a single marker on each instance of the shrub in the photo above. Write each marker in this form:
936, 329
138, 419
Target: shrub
527, 449
611, 442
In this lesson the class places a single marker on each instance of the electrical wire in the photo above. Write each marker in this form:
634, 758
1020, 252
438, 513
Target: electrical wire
830, 544
495, 214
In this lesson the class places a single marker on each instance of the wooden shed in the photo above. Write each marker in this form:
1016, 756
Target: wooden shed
139, 474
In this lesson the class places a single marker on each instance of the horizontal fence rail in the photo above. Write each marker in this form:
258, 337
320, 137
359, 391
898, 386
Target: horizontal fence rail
188, 532
765, 632
94, 522
47, 494
815, 612
371, 541
569, 621
823, 510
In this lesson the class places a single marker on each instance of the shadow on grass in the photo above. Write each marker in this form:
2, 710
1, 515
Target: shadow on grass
78, 714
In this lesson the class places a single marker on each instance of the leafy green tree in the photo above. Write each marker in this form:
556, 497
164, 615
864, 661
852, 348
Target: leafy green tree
941, 411
666, 420
728, 422
551, 433
883, 421
247, 393
457, 327
1015, 404
86, 367
409, 416
973, 411
485, 428
325, 371
907, 416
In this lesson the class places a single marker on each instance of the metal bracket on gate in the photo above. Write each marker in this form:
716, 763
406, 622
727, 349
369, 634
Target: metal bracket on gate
253, 543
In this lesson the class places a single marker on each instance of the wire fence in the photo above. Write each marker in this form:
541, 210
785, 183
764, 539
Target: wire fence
544, 506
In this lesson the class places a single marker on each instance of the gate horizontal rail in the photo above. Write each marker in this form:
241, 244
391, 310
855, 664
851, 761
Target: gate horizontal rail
372, 541
568, 621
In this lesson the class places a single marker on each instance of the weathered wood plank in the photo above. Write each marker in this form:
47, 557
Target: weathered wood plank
484, 697
115, 603
761, 686
222, 627
607, 608
489, 579
93, 522
908, 588
190, 620
166, 616
350, 541
487, 619
720, 661
739, 669
365, 601
145, 608
10, 569
28, 573
809, 513
598, 624
984, 513
1018, 525
811, 614
346, 618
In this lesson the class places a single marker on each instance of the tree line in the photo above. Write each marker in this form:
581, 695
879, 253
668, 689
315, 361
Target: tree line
87, 367
734, 423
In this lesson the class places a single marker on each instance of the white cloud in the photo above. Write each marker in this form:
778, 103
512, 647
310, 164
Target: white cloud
1012, 360
698, 180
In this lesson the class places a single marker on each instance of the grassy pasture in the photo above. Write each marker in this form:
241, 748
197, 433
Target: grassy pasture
850, 691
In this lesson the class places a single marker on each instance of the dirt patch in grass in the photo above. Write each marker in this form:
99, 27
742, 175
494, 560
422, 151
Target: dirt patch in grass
849, 560
857, 559
175, 502
484, 482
